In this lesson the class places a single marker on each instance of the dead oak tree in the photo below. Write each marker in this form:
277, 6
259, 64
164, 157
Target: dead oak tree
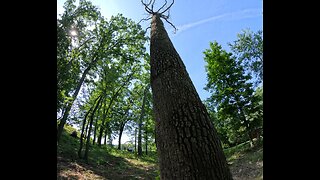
187, 142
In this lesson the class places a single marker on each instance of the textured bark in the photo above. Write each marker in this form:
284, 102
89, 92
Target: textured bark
187, 142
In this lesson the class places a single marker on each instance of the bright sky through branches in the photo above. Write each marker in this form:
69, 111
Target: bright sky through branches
198, 23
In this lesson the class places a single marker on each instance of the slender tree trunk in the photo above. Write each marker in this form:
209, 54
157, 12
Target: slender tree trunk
96, 124
105, 139
244, 119
114, 96
122, 124
104, 116
82, 132
139, 138
69, 105
187, 142
119, 142
140, 121
246, 123
75, 94
135, 140
106, 133
146, 140
62, 112
86, 131
95, 132
89, 131
110, 138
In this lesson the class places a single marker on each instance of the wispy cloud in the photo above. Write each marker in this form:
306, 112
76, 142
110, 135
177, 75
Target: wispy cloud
246, 13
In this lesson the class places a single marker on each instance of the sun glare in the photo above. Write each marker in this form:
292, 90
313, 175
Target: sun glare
73, 33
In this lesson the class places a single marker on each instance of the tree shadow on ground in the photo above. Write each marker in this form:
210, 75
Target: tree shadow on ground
111, 167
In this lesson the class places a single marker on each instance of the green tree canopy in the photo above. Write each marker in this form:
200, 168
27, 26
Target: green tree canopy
248, 49
232, 94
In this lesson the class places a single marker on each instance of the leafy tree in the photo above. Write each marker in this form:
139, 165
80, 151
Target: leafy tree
122, 115
232, 94
222, 129
100, 97
249, 51
99, 42
74, 19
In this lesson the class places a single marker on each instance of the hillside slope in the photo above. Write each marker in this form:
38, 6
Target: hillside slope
109, 163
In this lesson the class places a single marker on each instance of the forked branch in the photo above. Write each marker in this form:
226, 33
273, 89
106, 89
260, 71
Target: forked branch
161, 14
144, 19
146, 6
163, 6
175, 29
167, 7
150, 9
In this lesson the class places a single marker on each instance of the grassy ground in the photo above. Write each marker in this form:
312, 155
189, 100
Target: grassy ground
104, 162
246, 163
110, 163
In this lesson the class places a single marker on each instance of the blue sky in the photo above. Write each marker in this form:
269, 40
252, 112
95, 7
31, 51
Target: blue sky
198, 23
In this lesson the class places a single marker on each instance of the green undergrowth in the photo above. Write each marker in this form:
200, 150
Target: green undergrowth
104, 161
121, 164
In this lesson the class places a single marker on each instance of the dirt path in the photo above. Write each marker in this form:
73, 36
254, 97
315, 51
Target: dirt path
248, 166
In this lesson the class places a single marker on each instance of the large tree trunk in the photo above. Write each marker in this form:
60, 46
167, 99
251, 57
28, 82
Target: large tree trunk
187, 142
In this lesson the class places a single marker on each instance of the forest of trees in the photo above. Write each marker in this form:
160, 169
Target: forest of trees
108, 84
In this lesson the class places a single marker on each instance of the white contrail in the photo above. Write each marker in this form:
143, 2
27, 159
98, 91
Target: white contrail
247, 13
